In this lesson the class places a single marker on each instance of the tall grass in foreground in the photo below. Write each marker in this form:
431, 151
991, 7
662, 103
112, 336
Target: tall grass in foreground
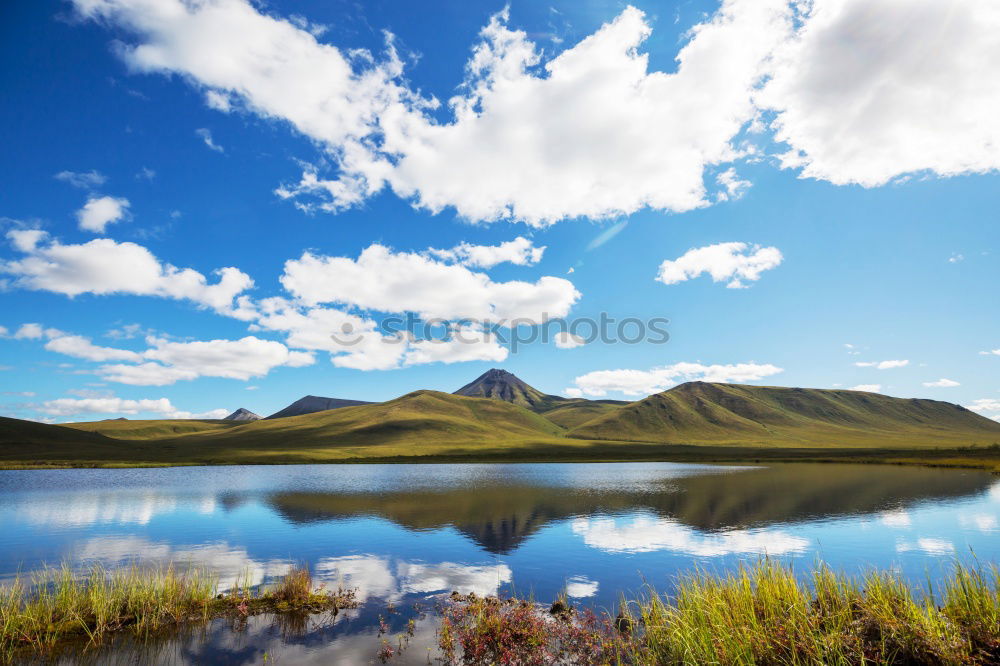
51, 606
761, 614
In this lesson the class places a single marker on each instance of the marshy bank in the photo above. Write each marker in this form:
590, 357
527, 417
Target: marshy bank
58, 608
763, 613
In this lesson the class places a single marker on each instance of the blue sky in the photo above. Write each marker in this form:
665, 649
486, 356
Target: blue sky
320, 152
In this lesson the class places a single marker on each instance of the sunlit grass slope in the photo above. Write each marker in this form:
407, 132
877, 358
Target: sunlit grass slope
695, 421
573, 413
152, 429
418, 418
764, 416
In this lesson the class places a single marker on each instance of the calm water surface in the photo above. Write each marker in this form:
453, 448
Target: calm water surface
413, 533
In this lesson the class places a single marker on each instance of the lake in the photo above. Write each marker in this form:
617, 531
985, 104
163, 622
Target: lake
410, 534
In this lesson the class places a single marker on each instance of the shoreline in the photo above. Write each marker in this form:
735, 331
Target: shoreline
987, 459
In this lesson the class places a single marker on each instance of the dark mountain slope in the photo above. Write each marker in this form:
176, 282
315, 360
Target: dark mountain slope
313, 403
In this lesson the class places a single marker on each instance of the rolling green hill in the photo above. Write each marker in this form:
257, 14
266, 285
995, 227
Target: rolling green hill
29, 442
152, 429
765, 416
418, 419
694, 421
575, 412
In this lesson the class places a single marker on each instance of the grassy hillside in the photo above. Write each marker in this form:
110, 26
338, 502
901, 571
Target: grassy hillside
572, 413
728, 414
152, 429
692, 422
415, 418
28, 442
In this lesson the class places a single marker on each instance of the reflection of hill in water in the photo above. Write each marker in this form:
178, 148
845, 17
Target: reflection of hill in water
500, 517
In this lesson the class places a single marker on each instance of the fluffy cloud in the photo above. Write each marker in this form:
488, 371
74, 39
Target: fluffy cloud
166, 362
883, 365
734, 262
992, 352
358, 343
646, 382
869, 388
33, 332
99, 212
733, 187
985, 405
463, 343
860, 93
146, 374
81, 347
234, 359
591, 132
272, 67
942, 383
566, 340
111, 405
103, 266
353, 341
85, 180
384, 280
520, 251
868, 91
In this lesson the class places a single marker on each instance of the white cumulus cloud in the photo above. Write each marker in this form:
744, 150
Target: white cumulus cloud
388, 281
81, 347
112, 405
883, 365
736, 262
868, 388
165, 361
655, 380
567, 340
860, 92
942, 383
520, 251
592, 131
985, 405
104, 266
99, 212
869, 91
243, 359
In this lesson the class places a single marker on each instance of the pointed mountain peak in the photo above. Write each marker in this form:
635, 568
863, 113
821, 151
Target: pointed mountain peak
502, 385
242, 414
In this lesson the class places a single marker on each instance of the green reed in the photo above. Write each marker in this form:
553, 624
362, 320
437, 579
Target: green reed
49, 607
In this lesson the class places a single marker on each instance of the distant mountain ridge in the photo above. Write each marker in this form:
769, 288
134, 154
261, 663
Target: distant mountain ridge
490, 423
313, 403
710, 413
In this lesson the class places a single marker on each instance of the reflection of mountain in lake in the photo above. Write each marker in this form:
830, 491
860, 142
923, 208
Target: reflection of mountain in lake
500, 517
